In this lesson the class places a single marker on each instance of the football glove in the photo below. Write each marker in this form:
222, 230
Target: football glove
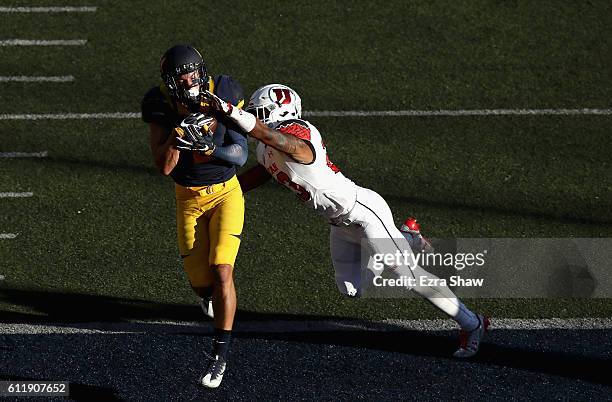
197, 135
218, 104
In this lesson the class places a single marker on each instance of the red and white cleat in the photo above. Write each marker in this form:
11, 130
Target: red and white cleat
470, 340
412, 231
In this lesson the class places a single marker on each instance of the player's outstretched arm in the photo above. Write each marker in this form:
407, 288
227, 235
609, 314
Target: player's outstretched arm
162, 143
253, 178
297, 148
236, 153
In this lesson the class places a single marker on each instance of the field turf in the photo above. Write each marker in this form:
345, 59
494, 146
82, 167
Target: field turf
101, 221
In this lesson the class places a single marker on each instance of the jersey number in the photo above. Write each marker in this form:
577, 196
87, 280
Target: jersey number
330, 164
283, 178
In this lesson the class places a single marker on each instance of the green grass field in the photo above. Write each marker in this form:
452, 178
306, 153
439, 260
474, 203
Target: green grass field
101, 221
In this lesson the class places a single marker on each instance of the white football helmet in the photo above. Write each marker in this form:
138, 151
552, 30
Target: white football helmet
275, 102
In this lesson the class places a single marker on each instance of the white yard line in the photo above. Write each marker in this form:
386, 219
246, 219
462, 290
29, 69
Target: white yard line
181, 327
338, 113
8, 236
65, 9
35, 42
16, 195
42, 154
460, 112
70, 116
23, 78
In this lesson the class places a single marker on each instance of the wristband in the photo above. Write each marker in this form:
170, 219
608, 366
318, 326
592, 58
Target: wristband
246, 121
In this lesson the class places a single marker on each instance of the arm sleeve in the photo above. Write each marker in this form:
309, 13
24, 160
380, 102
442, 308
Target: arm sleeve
235, 153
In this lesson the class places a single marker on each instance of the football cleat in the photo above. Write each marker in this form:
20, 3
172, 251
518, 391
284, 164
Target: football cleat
214, 373
470, 340
412, 232
207, 307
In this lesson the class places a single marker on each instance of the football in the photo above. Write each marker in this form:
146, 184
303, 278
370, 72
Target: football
209, 126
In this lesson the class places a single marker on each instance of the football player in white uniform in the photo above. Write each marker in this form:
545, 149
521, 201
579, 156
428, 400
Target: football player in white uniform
292, 151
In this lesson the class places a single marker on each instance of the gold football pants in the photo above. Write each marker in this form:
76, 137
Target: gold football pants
209, 224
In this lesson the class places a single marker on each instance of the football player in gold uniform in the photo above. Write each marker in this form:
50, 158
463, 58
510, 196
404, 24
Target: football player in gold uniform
209, 200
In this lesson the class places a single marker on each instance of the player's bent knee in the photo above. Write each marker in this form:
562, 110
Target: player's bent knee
223, 274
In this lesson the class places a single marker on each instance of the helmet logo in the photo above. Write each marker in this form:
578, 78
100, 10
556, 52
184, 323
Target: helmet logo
282, 96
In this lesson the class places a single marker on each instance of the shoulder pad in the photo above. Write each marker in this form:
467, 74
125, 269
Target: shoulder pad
229, 90
155, 107
286, 123
296, 127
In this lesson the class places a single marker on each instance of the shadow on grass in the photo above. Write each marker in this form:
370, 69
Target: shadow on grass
56, 307
572, 365
74, 308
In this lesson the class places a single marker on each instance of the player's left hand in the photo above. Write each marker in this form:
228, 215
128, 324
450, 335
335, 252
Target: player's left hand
206, 147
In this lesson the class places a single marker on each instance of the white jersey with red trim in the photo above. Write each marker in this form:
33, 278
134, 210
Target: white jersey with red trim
319, 184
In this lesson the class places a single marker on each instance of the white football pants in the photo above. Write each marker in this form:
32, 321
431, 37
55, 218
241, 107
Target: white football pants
371, 219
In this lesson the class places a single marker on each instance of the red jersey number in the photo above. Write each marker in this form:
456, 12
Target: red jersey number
330, 164
300, 191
